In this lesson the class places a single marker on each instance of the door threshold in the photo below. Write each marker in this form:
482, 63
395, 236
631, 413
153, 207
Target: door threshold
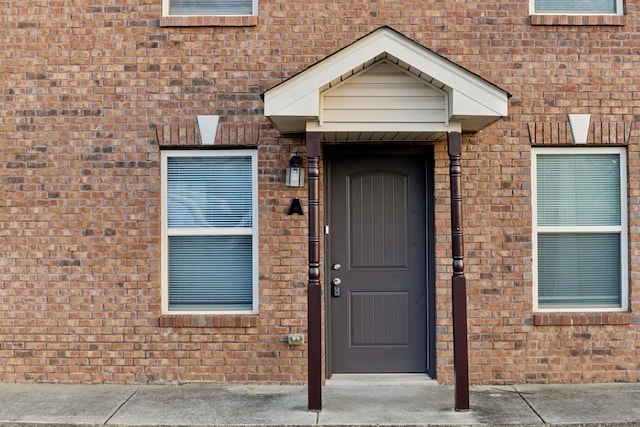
380, 379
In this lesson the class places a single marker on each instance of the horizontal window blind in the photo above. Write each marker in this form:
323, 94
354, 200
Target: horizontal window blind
210, 7
575, 6
210, 272
209, 192
209, 230
578, 189
579, 270
580, 229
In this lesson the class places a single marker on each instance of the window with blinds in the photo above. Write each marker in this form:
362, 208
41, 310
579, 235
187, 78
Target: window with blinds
580, 228
583, 7
210, 232
212, 7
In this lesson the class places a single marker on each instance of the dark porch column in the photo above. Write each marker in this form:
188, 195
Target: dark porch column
458, 285
314, 298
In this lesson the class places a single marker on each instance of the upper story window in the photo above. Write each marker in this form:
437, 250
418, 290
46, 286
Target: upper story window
577, 7
210, 7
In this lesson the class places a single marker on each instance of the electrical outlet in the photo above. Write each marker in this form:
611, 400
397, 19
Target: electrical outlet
296, 339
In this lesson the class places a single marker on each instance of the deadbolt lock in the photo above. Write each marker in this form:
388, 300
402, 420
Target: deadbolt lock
336, 291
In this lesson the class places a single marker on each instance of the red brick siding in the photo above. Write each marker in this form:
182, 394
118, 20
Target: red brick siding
82, 88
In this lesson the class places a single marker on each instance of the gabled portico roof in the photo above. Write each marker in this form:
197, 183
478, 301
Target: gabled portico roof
472, 103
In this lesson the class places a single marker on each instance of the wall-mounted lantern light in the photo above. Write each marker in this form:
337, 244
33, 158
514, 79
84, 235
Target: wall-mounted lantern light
295, 173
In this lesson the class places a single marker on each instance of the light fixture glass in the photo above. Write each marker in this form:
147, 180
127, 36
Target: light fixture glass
295, 173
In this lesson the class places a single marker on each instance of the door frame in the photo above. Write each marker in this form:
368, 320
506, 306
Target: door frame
357, 150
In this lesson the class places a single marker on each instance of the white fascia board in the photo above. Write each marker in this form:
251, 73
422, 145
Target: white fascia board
282, 99
307, 104
463, 105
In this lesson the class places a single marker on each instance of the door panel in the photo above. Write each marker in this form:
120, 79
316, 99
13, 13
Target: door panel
379, 318
378, 220
378, 240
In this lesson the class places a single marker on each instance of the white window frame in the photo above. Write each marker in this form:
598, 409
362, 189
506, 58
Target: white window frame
167, 232
619, 10
165, 10
622, 229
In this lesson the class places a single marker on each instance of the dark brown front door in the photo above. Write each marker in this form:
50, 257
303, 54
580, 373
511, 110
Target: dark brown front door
377, 264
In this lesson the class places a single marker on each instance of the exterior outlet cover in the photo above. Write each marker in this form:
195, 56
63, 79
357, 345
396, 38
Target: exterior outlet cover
580, 127
296, 339
208, 127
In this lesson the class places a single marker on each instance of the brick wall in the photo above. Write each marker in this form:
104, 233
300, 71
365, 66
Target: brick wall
83, 86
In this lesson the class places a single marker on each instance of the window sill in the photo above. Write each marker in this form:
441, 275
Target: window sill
208, 321
578, 20
209, 21
576, 319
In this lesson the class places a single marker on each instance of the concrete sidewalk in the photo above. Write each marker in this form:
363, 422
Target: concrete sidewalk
348, 401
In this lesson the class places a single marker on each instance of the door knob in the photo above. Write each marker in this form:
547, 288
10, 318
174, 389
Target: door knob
337, 281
